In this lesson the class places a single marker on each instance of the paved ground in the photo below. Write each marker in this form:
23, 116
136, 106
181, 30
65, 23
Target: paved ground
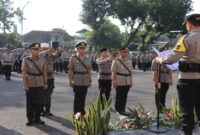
13, 113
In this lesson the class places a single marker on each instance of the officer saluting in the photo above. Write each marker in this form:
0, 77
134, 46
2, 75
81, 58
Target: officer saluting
79, 76
104, 76
34, 76
122, 79
187, 51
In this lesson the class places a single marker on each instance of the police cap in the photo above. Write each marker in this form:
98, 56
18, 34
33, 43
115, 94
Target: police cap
34, 45
81, 44
124, 48
192, 18
103, 50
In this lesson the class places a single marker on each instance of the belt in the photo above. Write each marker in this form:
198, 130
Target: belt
163, 72
80, 72
49, 73
7, 61
123, 74
189, 67
34, 74
105, 74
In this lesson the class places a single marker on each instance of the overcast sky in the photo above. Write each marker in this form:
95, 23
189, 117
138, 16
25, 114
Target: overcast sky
48, 14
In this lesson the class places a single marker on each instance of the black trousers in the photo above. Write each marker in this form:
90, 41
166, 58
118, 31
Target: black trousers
7, 70
105, 88
133, 64
79, 99
65, 65
47, 97
189, 98
1, 68
160, 95
33, 103
121, 98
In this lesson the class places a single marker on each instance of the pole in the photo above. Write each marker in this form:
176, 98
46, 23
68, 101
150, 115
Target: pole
22, 21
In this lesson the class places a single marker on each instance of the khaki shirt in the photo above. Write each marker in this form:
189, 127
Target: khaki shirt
119, 68
76, 66
34, 81
164, 72
104, 68
65, 56
7, 59
50, 58
191, 54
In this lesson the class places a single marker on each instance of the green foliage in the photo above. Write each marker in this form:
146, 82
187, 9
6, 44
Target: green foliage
142, 48
108, 35
9, 41
7, 14
96, 122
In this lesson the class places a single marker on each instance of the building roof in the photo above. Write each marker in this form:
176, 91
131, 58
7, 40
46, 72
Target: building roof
44, 36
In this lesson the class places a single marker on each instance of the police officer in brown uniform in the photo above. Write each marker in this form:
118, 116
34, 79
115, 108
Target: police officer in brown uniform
165, 80
7, 62
187, 51
79, 76
122, 79
34, 76
104, 76
49, 54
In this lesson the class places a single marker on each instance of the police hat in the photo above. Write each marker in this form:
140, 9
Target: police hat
193, 18
124, 48
164, 48
34, 45
81, 44
103, 50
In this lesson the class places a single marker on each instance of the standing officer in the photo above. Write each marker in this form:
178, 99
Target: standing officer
7, 62
165, 80
187, 51
34, 76
49, 54
104, 76
1, 67
79, 77
122, 79
133, 57
65, 59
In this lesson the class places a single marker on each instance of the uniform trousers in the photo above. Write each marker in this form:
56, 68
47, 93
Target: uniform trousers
79, 98
189, 98
7, 70
160, 95
121, 98
105, 88
47, 97
33, 103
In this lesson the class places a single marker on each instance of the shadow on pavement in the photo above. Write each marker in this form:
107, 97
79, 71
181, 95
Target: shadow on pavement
4, 131
50, 130
63, 121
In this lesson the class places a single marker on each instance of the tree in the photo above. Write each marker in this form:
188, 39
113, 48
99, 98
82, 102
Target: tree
108, 35
9, 40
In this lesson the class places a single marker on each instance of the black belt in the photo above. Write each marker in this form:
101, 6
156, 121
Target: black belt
123, 74
163, 72
80, 72
7, 61
105, 74
189, 67
34, 74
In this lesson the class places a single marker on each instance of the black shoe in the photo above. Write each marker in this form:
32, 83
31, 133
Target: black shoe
43, 114
187, 132
124, 113
49, 114
40, 122
29, 123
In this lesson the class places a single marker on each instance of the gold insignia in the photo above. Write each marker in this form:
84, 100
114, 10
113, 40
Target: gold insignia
36, 46
126, 48
83, 44
180, 47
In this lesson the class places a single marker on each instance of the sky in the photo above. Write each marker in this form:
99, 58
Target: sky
48, 14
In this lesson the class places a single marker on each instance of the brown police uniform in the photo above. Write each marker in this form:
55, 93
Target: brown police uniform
123, 82
35, 83
80, 80
7, 62
104, 77
187, 51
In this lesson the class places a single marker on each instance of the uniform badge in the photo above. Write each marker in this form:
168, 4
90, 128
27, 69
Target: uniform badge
180, 47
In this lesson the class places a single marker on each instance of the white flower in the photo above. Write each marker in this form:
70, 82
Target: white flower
77, 116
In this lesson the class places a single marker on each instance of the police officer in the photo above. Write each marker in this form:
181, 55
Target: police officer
144, 61
34, 76
49, 54
104, 77
65, 59
7, 62
133, 57
1, 67
79, 76
122, 79
163, 85
187, 51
